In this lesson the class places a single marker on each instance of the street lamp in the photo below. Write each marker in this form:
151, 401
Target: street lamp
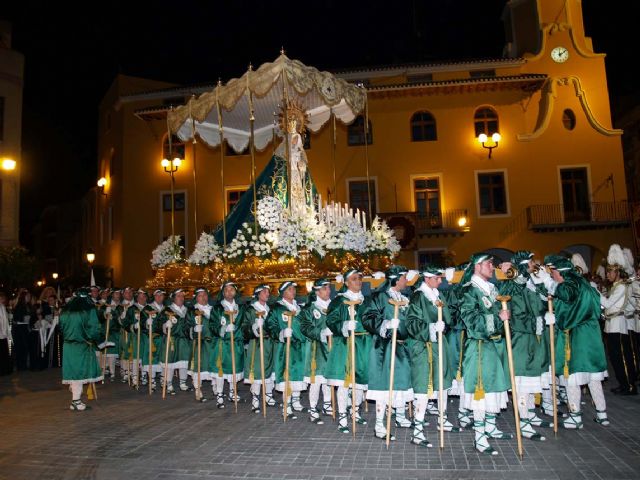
91, 257
171, 167
102, 182
8, 164
495, 138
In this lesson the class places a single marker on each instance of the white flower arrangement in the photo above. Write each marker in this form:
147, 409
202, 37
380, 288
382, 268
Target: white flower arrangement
167, 252
381, 239
301, 231
249, 242
206, 251
346, 234
269, 213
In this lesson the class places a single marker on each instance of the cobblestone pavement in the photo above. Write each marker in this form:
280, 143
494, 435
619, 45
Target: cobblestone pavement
128, 434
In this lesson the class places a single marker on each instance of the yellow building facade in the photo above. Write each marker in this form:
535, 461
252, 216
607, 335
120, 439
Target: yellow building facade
554, 182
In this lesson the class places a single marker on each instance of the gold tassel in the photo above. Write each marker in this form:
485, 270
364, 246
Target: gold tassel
347, 375
537, 398
253, 361
567, 353
219, 360
478, 394
430, 382
313, 363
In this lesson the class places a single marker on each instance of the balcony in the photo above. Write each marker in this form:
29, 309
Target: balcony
596, 216
409, 225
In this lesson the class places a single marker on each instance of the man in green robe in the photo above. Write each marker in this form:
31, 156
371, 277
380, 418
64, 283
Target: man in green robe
528, 340
81, 331
107, 315
174, 317
152, 325
227, 315
123, 346
486, 377
338, 370
252, 322
381, 319
423, 327
313, 324
132, 323
580, 357
285, 312
199, 319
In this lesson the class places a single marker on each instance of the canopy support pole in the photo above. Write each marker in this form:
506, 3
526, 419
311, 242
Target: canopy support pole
287, 153
333, 153
195, 175
366, 152
224, 196
252, 120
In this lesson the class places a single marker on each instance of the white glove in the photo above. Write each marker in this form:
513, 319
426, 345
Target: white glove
167, 325
287, 332
104, 345
448, 273
197, 328
594, 285
259, 322
351, 325
439, 326
108, 310
433, 335
540, 277
136, 325
230, 328
324, 334
549, 318
394, 323
384, 327
149, 322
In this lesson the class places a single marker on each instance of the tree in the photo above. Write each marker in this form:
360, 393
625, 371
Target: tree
17, 268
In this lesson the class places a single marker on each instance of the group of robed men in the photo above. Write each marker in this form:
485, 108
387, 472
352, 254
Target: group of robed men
358, 343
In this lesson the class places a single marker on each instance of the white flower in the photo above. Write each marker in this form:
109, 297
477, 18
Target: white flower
205, 251
167, 252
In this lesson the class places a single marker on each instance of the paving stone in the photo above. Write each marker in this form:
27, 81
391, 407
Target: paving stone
129, 434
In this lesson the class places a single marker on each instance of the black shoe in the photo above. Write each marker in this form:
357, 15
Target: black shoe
631, 391
617, 390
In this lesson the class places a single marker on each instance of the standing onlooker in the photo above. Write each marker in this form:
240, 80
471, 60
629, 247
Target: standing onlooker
22, 318
5, 337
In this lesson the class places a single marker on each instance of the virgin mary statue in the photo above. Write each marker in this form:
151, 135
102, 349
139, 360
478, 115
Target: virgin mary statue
291, 184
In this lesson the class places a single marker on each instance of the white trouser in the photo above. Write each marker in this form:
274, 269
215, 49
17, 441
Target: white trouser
314, 394
76, 390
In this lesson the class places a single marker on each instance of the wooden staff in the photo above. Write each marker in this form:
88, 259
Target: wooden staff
352, 316
150, 328
166, 356
441, 405
290, 316
138, 361
107, 317
396, 307
199, 322
552, 347
264, 380
231, 314
503, 299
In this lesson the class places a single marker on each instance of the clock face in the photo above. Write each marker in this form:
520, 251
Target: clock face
559, 54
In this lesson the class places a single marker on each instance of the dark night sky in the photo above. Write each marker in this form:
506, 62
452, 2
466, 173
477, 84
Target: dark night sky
73, 54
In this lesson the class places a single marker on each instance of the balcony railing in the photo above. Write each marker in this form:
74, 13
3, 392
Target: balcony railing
595, 215
448, 222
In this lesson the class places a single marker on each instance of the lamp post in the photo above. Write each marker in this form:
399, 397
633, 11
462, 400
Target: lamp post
495, 138
8, 165
102, 182
171, 167
91, 257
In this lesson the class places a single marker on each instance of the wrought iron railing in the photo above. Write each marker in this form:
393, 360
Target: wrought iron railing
456, 219
595, 213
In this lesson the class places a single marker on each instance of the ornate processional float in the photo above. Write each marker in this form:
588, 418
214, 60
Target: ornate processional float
281, 229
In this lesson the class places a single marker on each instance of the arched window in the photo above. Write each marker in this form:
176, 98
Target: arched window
423, 127
176, 150
485, 121
569, 119
355, 132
